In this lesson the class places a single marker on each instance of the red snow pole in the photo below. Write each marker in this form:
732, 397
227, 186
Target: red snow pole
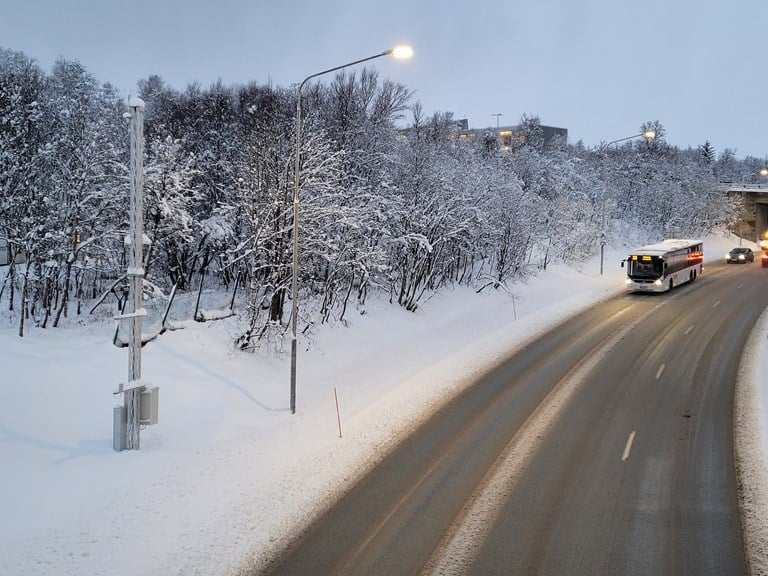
338, 414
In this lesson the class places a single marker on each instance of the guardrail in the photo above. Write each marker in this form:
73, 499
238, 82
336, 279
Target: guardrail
742, 187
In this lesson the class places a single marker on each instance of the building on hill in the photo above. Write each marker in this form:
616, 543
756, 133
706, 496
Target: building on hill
508, 136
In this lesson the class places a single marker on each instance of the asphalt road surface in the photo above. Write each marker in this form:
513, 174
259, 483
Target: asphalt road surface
602, 447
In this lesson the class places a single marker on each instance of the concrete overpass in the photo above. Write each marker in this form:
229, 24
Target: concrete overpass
754, 220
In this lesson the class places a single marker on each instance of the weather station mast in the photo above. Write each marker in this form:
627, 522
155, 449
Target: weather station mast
140, 403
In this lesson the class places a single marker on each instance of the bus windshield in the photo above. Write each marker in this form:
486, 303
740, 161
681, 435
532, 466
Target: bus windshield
650, 267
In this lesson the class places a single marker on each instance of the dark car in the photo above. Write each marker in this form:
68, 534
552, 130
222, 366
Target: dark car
740, 256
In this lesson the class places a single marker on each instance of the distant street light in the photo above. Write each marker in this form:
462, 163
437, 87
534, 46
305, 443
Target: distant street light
497, 119
399, 52
648, 135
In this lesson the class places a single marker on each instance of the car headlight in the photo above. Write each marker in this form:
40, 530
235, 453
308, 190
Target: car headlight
727, 256
741, 256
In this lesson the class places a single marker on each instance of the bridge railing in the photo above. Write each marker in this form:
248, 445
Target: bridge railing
742, 187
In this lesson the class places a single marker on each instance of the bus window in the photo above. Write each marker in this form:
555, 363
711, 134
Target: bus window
645, 268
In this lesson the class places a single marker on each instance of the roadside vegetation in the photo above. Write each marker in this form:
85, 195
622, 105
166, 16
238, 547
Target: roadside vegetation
393, 200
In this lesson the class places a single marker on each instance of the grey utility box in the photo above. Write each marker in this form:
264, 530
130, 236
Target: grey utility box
148, 402
119, 425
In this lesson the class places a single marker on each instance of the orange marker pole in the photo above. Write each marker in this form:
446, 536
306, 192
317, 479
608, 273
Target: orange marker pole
338, 414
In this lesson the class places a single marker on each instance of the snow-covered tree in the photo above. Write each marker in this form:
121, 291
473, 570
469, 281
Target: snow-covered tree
72, 205
708, 153
405, 208
434, 219
168, 197
358, 114
264, 199
21, 136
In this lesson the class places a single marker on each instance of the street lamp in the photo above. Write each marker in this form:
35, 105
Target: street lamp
648, 135
399, 52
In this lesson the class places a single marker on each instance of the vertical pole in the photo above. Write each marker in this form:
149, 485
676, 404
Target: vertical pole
602, 214
135, 275
602, 251
295, 280
338, 414
296, 179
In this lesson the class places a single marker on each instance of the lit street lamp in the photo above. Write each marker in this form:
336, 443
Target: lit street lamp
399, 52
648, 135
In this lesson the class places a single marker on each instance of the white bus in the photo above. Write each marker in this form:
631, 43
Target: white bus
661, 267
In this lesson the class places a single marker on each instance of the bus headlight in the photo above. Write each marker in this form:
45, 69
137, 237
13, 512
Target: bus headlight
627, 281
657, 282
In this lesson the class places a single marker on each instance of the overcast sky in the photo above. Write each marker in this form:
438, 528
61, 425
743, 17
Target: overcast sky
599, 68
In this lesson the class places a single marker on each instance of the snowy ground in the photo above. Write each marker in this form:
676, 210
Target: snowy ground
229, 471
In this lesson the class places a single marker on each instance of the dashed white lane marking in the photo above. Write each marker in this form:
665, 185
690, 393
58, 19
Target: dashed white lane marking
661, 369
687, 331
716, 304
628, 447
456, 553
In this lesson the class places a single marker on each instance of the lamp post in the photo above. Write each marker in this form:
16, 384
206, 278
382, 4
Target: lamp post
399, 52
648, 135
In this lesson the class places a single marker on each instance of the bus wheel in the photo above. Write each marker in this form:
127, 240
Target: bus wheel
671, 283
